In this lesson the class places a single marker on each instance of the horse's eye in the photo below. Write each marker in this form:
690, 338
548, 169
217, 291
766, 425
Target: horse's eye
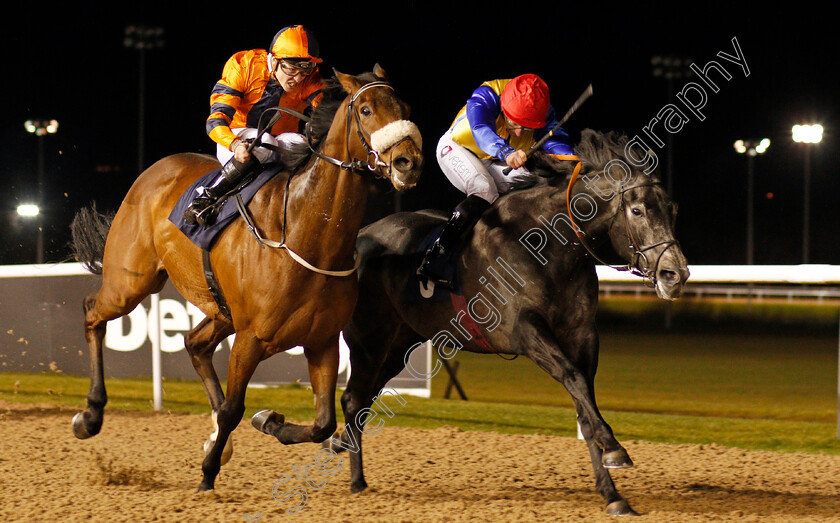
636, 211
365, 111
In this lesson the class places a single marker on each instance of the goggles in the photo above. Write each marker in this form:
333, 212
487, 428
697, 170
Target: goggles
515, 126
293, 68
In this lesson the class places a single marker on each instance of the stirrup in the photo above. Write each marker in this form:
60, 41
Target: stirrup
423, 274
199, 205
424, 271
207, 215
202, 210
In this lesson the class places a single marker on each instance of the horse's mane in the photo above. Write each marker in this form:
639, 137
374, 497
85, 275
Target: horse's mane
595, 150
321, 120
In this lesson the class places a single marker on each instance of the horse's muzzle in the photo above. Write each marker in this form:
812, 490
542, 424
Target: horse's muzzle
406, 165
670, 280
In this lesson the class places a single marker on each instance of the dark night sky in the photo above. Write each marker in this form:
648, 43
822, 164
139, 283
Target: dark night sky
73, 67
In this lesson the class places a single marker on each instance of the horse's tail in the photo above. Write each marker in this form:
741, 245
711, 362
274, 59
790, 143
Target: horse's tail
89, 231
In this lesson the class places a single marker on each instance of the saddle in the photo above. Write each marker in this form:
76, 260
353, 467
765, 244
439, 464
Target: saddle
204, 235
226, 210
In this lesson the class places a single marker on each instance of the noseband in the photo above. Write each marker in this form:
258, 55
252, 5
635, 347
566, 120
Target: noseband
639, 264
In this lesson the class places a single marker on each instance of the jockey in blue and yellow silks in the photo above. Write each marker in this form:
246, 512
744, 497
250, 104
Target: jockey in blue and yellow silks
481, 126
499, 123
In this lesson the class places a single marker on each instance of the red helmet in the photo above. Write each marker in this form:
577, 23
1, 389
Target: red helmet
295, 41
525, 101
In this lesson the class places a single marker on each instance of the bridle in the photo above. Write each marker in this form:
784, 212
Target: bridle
635, 266
639, 264
355, 164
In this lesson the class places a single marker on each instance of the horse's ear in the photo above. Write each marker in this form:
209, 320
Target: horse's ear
347, 81
380, 72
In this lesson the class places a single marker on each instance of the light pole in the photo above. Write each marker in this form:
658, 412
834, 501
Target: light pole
670, 68
807, 134
40, 128
751, 148
142, 38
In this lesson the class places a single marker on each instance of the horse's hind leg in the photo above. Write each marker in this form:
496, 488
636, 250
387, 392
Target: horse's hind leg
107, 305
89, 422
323, 372
201, 343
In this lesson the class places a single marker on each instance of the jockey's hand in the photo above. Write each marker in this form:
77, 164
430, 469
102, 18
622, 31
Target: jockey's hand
240, 152
516, 159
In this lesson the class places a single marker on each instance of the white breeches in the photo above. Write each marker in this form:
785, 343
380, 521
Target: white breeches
264, 155
472, 175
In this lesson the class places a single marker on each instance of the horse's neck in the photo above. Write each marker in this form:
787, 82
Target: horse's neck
546, 205
327, 202
537, 227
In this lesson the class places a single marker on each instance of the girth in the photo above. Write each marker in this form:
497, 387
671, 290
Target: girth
213, 285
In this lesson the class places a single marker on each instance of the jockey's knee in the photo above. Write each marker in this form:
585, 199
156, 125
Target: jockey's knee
483, 188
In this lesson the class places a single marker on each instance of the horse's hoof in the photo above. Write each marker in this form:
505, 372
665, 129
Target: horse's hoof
616, 459
227, 452
266, 421
621, 508
79, 428
205, 486
358, 486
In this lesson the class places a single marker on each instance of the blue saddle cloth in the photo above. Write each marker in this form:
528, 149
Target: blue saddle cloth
445, 265
204, 235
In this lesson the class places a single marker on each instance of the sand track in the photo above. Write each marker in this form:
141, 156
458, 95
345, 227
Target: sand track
147, 467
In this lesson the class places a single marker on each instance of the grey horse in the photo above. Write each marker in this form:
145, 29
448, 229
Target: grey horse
527, 286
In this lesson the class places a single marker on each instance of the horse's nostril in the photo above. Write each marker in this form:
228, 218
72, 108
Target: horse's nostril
403, 164
669, 276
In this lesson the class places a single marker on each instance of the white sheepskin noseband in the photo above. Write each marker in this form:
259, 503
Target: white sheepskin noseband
393, 133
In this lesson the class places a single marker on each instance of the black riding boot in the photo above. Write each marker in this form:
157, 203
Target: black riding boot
202, 210
466, 214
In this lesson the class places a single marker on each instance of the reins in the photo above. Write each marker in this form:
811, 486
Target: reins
634, 266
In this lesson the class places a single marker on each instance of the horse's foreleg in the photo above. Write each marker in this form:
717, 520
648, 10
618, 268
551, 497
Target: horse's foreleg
89, 422
357, 396
323, 371
543, 348
616, 504
201, 343
247, 352
370, 374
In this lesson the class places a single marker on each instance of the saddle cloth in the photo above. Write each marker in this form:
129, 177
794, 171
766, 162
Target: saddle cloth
204, 235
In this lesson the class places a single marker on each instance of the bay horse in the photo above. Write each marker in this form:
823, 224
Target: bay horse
533, 285
275, 302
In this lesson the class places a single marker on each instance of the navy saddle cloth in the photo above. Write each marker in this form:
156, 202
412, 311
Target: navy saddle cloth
445, 265
204, 235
